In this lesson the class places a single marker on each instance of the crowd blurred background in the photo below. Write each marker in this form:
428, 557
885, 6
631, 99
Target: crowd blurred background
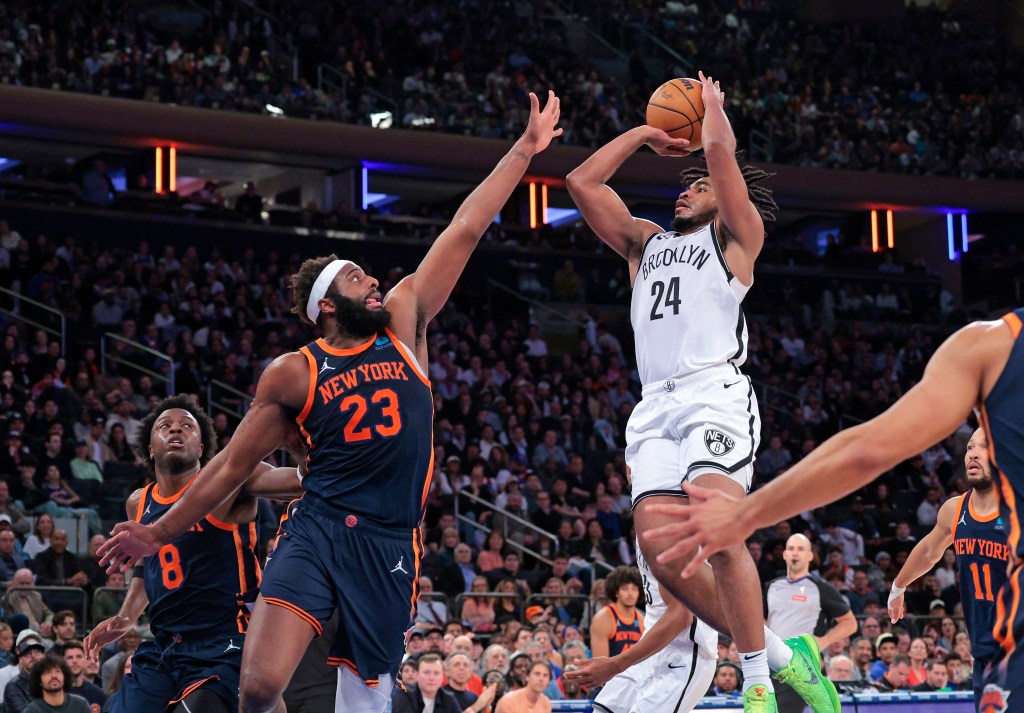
529, 507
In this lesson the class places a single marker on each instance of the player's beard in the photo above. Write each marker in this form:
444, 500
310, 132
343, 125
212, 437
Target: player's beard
982, 483
685, 223
356, 320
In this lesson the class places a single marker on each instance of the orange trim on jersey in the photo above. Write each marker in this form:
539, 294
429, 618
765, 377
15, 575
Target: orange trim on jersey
142, 503
960, 513
409, 357
983, 417
221, 525
981, 518
344, 352
418, 551
191, 688
1014, 323
173, 498
430, 471
256, 561
618, 615
297, 611
308, 439
311, 390
337, 661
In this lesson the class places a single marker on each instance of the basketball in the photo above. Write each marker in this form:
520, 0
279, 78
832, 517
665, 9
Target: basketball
677, 109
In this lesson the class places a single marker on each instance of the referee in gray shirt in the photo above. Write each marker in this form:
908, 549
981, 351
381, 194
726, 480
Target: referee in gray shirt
801, 603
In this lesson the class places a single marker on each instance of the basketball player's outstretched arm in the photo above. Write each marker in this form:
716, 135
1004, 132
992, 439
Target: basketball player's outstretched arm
960, 372
601, 207
735, 211
280, 395
925, 555
443, 264
598, 670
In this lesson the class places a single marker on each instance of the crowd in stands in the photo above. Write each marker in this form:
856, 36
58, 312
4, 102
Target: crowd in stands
887, 97
530, 496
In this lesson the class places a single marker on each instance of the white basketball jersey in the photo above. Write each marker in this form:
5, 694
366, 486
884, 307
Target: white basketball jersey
698, 633
685, 309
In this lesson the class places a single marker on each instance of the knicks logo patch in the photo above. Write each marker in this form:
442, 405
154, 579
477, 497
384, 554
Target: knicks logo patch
718, 443
993, 699
351, 520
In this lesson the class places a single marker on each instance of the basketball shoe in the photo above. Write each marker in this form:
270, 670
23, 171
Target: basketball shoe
758, 699
803, 674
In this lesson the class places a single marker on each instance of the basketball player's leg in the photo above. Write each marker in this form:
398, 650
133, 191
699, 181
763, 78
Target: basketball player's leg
274, 645
699, 593
202, 701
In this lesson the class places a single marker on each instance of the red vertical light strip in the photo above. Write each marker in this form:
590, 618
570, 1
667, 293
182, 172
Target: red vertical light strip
874, 231
889, 229
544, 203
533, 206
159, 170
172, 164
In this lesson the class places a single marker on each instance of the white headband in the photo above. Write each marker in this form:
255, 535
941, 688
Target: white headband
322, 284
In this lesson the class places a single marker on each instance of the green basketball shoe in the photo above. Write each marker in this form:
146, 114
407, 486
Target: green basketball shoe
804, 675
758, 699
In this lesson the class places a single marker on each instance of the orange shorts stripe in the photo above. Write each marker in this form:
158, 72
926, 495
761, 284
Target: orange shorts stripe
1014, 322
194, 686
337, 661
297, 611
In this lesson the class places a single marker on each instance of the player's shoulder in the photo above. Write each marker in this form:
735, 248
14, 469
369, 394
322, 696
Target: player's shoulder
949, 509
131, 505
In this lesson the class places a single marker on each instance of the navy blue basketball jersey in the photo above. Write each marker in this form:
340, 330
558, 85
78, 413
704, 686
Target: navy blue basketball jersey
981, 559
368, 427
199, 582
626, 634
1002, 416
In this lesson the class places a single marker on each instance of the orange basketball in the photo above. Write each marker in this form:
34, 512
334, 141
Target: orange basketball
677, 109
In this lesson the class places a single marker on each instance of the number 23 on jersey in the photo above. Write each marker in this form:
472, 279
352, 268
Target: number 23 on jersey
382, 407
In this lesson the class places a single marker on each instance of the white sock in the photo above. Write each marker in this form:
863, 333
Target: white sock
779, 655
755, 670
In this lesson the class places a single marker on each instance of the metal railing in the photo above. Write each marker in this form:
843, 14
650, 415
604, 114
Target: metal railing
52, 321
537, 305
106, 356
224, 398
767, 394
550, 599
329, 78
761, 146
675, 62
460, 600
521, 548
20, 600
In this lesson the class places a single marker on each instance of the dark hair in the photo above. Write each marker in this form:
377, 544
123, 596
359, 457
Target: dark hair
620, 577
60, 616
72, 644
760, 196
543, 663
47, 663
301, 283
206, 432
901, 658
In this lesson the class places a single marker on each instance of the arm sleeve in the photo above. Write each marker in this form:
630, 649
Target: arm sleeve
832, 602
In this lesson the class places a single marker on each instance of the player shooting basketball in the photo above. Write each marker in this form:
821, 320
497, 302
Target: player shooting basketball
698, 420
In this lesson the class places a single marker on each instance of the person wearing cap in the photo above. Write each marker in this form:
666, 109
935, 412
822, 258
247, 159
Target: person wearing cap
886, 647
30, 650
728, 680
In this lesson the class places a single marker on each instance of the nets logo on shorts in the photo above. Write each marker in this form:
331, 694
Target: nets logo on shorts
718, 443
993, 699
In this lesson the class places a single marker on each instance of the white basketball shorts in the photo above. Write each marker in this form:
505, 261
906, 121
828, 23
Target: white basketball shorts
706, 422
672, 681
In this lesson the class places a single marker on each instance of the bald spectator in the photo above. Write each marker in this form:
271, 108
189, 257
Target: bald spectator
56, 567
20, 600
840, 669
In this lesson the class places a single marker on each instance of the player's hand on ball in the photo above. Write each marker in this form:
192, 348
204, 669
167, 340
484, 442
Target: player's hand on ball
664, 145
543, 122
712, 93
712, 521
